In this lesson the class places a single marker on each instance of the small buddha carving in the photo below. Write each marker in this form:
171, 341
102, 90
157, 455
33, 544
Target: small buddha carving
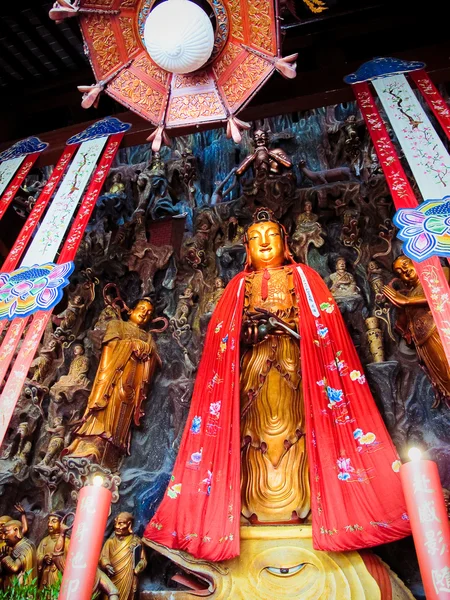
343, 284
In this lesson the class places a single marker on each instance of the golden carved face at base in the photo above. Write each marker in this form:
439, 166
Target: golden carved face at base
405, 269
265, 245
279, 563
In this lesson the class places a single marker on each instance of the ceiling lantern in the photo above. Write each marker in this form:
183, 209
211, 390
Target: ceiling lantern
179, 36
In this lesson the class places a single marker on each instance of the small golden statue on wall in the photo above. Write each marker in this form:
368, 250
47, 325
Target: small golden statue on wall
127, 364
417, 325
47, 570
123, 556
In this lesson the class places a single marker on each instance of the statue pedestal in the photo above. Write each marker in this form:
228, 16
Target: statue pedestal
279, 563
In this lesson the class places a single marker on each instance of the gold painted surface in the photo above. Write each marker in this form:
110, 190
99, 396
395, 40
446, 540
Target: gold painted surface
226, 59
274, 475
126, 26
259, 572
237, 26
243, 80
134, 90
260, 22
195, 106
149, 68
102, 42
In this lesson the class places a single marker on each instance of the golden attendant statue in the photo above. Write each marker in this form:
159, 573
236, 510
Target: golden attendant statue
418, 325
123, 557
21, 562
47, 570
128, 361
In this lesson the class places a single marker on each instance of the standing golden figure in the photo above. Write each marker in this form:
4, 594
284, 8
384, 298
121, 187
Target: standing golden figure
419, 326
21, 562
274, 475
127, 364
47, 570
123, 556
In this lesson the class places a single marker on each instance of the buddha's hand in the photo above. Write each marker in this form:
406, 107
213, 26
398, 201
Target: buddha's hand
139, 567
395, 297
110, 571
141, 350
255, 328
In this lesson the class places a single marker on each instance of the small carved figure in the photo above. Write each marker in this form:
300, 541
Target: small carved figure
307, 231
264, 161
215, 295
128, 361
326, 175
75, 380
352, 142
117, 184
123, 557
21, 562
375, 339
375, 278
47, 569
56, 442
17, 441
102, 583
43, 363
417, 325
343, 283
184, 306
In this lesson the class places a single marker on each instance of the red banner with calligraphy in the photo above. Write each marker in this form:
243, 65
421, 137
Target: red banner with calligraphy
15, 184
431, 275
433, 98
22, 364
429, 524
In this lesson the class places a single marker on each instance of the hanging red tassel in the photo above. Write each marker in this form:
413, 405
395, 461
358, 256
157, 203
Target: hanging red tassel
265, 285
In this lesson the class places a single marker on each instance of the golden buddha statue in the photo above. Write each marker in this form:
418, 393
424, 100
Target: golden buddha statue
128, 361
21, 562
47, 570
274, 475
123, 556
418, 325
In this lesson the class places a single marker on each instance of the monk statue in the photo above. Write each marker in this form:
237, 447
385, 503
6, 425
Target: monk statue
47, 570
103, 586
21, 562
127, 363
123, 557
282, 429
418, 326
76, 379
343, 284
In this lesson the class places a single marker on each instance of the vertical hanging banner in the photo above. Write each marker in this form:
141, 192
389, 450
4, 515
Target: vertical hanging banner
106, 136
431, 275
433, 98
15, 164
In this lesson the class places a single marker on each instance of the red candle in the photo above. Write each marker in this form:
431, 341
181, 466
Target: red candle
429, 524
94, 502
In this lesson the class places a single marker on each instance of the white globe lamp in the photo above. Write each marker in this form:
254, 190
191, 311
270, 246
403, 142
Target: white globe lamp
179, 36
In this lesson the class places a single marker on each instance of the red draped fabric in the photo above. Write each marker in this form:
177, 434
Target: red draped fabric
356, 494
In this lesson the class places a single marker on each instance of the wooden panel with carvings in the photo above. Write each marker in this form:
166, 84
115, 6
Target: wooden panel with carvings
245, 80
128, 89
148, 67
237, 25
261, 25
129, 35
102, 43
127, 3
225, 60
195, 108
194, 80
97, 3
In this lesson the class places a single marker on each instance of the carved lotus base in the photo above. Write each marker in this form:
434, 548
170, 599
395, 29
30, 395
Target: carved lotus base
278, 563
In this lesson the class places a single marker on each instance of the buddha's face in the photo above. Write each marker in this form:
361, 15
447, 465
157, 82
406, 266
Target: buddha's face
141, 313
340, 265
78, 350
53, 524
308, 208
265, 245
12, 534
404, 268
122, 525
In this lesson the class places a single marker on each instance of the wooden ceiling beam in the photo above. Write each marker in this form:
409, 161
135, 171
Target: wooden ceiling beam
44, 48
9, 57
56, 32
16, 41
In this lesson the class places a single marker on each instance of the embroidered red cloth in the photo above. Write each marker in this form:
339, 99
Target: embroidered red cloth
356, 495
